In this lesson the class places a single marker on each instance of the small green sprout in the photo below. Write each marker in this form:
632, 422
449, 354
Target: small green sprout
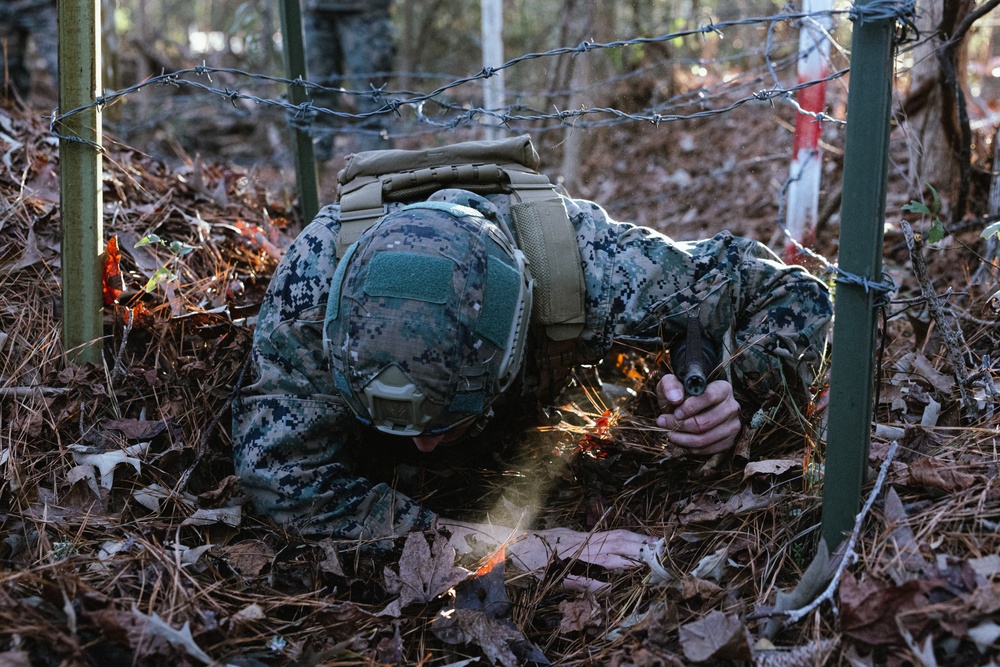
177, 248
936, 232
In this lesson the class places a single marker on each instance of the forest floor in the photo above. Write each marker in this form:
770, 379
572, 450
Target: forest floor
124, 539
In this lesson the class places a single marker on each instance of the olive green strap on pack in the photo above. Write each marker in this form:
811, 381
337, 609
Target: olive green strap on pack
544, 232
547, 238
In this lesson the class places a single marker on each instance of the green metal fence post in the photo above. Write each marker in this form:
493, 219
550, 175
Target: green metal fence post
80, 164
293, 46
862, 216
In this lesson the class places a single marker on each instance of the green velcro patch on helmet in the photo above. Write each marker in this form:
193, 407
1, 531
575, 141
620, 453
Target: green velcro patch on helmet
408, 275
499, 301
333, 303
472, 402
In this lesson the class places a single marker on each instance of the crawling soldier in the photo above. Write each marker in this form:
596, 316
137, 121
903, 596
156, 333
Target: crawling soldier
449, 303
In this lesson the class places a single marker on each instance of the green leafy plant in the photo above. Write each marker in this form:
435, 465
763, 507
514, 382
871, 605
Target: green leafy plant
936, 232
177, 249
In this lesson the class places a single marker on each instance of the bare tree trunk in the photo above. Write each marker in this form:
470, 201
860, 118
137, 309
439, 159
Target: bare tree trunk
930, 157
937, 81
594, 21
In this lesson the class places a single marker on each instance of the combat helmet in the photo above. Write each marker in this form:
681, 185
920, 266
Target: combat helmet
427, 319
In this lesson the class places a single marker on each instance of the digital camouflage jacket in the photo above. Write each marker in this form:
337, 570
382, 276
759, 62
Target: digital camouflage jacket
295, 440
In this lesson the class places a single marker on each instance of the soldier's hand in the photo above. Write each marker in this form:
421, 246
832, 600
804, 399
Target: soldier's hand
706, 424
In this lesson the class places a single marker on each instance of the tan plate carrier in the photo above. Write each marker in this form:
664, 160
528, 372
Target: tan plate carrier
544, 232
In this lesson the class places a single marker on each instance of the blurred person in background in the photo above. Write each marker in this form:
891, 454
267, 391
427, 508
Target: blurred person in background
349, 44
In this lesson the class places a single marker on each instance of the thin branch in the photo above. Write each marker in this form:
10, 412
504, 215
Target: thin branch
850, 555
19, 392
970, 18
946, 324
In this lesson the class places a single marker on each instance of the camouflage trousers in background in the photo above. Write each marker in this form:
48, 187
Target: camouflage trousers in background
21, 21
353, 49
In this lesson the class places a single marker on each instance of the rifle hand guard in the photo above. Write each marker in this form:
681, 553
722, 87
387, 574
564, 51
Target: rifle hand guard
694, 359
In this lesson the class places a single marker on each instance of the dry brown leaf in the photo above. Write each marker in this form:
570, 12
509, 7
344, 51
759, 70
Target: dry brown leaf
906, 554
390, 650
716, 637
869, 607
154, 626
713, 565
770, 467
331, 561
943, 383
812, 582
692, 587
480, 615
986, 600
465, 626
231, 516
136, 429
578, 615
425, 571
251, 612
704, 510
986, 566
934, 473
249, 557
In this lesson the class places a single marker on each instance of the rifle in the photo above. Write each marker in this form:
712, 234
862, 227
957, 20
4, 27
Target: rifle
693, 359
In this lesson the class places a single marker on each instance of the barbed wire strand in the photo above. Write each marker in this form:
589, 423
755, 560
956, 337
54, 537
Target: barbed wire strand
302, 115
308, 110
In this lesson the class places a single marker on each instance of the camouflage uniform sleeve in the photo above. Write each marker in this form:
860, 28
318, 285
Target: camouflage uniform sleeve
293, 437
772, 319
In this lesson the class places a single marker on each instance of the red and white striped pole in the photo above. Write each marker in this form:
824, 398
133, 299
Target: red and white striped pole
803, 188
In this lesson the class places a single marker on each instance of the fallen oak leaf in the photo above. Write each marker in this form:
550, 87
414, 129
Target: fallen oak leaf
869, 608
179, 639
907, 561
702, 511
107, 461
252, 612
84, 473
15, 659
249, 557
716, 637
933, 473
425, 571
466, 626
150, 497
480, 614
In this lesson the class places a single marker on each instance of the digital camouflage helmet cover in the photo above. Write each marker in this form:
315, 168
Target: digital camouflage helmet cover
427, 319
